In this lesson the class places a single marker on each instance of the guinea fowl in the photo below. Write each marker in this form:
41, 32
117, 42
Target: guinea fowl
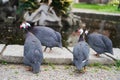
48, 37
100, 43
81, 52
33, 55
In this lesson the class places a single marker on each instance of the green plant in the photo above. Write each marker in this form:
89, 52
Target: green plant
96, 64
114, 2
71, 73
117, 63
118, 68
52, 66
60, 6
4, 62
46, 69
16, 72
94, 70
67, 67
101, 66
97, 7
63, 6
105, 67
27, 4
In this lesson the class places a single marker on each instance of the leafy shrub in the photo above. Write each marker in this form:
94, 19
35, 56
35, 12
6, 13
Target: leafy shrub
114, 2
60, 6
117, 64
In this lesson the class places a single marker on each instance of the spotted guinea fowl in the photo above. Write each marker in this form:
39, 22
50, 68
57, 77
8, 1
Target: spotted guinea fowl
33, 55
48, 37
81, 52
100, 43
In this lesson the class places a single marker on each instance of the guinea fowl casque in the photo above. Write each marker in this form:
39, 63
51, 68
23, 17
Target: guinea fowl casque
48, 37
100, 43
33, 55
81, 52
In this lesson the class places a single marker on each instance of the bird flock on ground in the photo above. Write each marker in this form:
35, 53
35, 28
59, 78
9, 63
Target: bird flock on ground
38, 36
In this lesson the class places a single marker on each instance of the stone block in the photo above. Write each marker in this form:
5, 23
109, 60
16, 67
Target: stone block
13, 54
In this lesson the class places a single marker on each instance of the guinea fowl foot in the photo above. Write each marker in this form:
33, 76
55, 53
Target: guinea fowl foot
50, 51
81, 71
97, 55
84, 69
29, 69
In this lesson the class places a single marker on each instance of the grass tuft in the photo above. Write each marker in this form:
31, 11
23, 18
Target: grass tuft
96, 64
52, 65
4, 63
101, 66
117, 64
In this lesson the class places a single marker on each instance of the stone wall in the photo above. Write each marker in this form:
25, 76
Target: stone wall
10, 33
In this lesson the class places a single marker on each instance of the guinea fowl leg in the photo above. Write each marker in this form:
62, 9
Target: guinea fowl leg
50, 50
45, 49
84, 69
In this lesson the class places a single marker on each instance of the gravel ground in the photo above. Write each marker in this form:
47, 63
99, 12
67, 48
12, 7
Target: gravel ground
57, 72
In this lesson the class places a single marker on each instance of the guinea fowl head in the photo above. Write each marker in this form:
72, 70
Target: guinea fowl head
25, 26
83, 34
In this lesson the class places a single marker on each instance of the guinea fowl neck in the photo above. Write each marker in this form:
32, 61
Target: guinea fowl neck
81, 38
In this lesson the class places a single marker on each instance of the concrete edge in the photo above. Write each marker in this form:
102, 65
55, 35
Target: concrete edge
58, 60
